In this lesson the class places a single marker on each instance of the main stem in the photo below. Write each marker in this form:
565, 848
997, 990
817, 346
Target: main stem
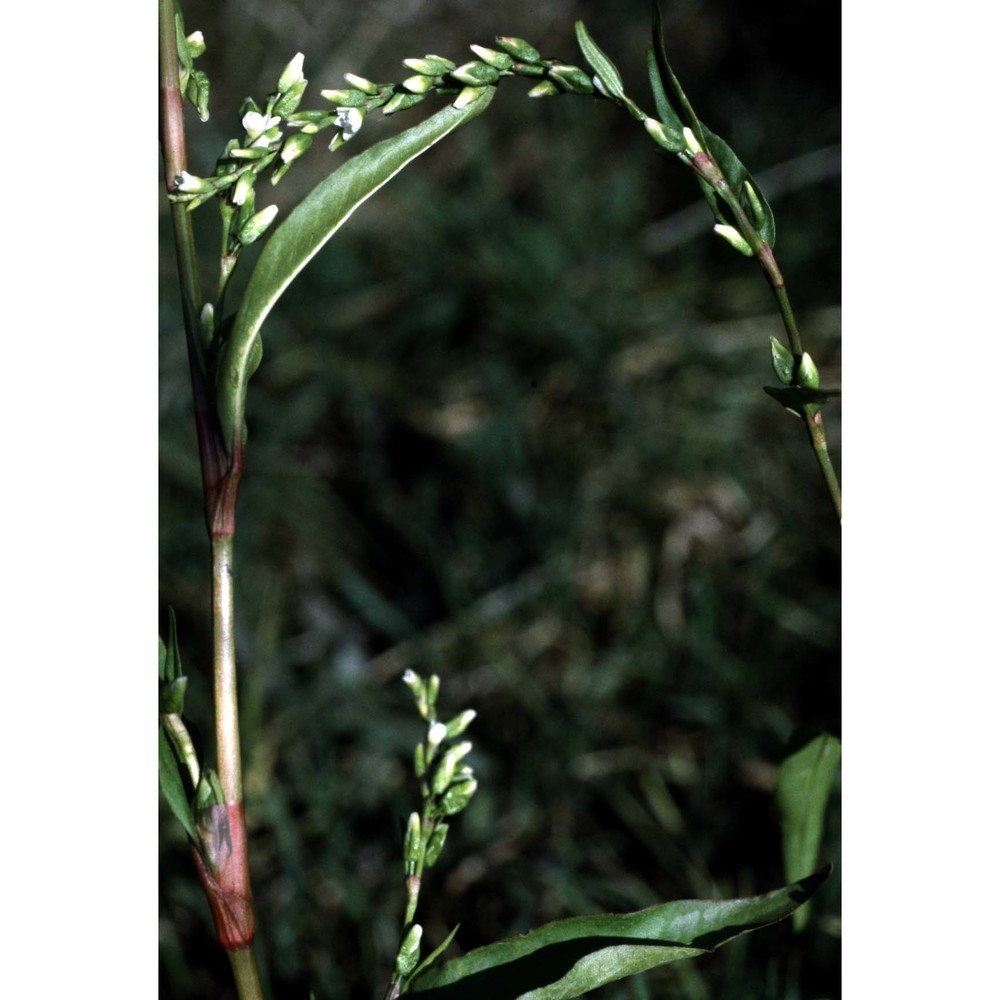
227, 727
765, 257
226, 879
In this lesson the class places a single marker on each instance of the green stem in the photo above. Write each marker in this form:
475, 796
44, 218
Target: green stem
817, 435
813, 417
220, 481
245, 973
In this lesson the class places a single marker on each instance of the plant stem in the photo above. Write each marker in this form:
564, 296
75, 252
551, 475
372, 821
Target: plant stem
227, 731
221, 476
245, 973
814, 423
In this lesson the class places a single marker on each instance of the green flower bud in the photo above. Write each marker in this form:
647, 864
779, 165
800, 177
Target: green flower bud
571, 79
291, 74
544, 89
475, 74
196, 44
249, 104
446, 769
416, 684
409, 951
694, 147
244, 187
251, 152
172, 696
498, 60
209, 791
808, 374
419, 760
458, 796
669, 139
256, 225
734, 239
430, 65
459, 723
400, 102
433, 687
360, 83
345, 98
519, 49
190, 184
412, 844
419, 84
783, 362
197, 92
435, 844
466, 97
759, 215
248, 207
294, 147
291, 99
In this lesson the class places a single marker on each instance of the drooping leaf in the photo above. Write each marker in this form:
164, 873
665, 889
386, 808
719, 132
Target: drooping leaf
570, 957
605, 69
173, 786
304, 232
805, 780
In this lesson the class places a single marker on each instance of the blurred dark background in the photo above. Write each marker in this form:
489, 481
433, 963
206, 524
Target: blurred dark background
509, 428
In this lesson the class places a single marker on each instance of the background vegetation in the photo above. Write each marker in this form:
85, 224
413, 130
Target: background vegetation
509, 429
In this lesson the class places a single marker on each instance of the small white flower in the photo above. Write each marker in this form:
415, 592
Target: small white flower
437, 732
257, 124
349, 121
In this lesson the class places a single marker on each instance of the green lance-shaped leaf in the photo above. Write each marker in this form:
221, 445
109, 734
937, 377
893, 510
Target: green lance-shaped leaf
664, 108
570, 957
605, 69
667, 74
805, 780
173, 786
304, 232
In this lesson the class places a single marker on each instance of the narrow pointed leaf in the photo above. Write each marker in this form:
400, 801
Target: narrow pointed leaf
805, 780
664, 109
173, 786
666, 73
600, 63
570, 957
305, 231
